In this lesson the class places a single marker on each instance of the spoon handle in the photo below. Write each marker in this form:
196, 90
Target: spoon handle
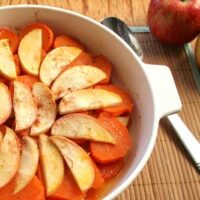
189, 141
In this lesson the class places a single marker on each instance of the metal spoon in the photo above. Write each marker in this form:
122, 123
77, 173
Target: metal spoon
186, 136
119, 27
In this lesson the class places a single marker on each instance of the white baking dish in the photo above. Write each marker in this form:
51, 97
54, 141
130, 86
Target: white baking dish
151, 86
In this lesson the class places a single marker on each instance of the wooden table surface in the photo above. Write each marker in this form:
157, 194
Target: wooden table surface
133, 12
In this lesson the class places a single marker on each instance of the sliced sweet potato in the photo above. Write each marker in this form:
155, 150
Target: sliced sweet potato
33, 191
98, 179
83, 59
105, 65
112, 169
68, 189
105, 153
65, 40
5, 33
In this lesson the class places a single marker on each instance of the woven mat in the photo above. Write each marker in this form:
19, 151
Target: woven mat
170, 173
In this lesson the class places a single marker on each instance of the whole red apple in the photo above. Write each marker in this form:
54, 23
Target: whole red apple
174, 21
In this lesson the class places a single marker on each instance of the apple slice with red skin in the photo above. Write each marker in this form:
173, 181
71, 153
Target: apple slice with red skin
9, 156
174, 22
46, 112
88, 99
76, 78
56, 61
52, 164
5, 103
7, 63
30, 50
81, 126
28, 163
24, 106
78, 161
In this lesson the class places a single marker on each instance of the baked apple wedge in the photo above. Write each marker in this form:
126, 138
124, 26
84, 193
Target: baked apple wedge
88, 99
46, 112
24, 106
78, 161
5, 103
7, 63
125, 120
56, 61
29, 51
52, 164
76, 78
28, 163
81, 126
9, 156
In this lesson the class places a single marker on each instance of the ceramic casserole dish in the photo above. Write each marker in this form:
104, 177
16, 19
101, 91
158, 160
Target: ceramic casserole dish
151, 86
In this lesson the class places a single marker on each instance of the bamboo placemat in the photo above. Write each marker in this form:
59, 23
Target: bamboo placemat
170, 173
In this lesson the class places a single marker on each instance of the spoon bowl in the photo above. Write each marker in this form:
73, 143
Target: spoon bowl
121, 29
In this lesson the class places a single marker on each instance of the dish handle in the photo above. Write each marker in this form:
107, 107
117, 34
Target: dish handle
164, 90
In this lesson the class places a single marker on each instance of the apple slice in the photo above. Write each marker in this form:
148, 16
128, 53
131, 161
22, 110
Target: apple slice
24, 106
28, 163
78, 161
7, 63
46, 113
52, 164
124, 119
88, 99
81, 126
30, 50
76, 78
56, 61
9, 156
5, 103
